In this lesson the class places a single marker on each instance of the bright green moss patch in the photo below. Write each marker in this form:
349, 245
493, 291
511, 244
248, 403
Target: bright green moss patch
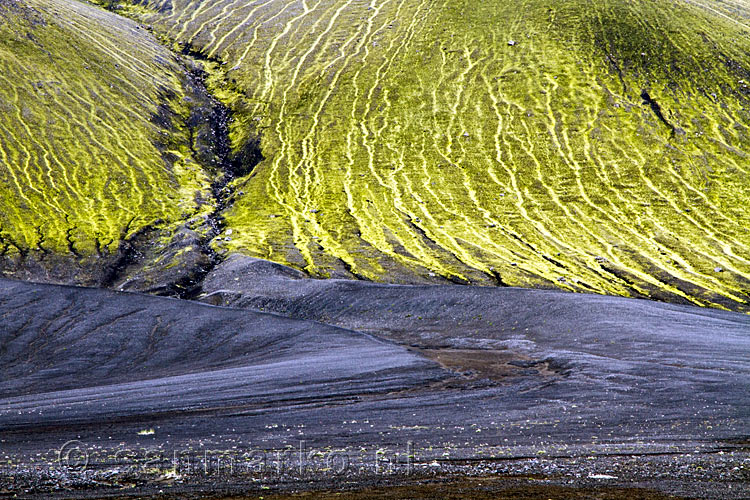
595, 147
93, 147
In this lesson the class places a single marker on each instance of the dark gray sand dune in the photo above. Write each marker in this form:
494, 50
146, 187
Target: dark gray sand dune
355, 384
86, 353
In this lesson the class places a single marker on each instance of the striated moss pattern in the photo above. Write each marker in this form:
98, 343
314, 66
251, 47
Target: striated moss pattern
95, 148
598, 147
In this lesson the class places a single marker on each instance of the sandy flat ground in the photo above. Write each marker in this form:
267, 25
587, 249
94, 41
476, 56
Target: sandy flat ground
107, 394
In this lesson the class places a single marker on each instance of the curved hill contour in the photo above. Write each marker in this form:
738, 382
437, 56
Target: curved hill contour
497, 383
96, 141
593, 147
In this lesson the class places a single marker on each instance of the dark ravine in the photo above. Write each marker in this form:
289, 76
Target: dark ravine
230, 164
133, 258
145, 269
161, 257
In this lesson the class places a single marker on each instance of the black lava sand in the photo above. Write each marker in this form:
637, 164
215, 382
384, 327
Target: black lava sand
376, 391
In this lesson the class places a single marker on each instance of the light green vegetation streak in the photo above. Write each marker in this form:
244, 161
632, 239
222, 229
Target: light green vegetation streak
91, 148
409, 138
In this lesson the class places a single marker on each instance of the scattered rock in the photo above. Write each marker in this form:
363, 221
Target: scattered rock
523, 363
528, 371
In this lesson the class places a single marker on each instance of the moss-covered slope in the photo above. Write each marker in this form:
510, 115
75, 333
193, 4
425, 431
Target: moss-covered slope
593, 146
94, 142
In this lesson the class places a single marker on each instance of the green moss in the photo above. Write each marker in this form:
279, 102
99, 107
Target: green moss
410, 137
605, 150
93, 146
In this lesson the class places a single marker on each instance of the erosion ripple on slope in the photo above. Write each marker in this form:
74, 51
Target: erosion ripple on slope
96, 145
603, 151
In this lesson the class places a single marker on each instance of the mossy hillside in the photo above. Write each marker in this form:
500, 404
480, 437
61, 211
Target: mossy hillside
93, 143
604, 150
737, 10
